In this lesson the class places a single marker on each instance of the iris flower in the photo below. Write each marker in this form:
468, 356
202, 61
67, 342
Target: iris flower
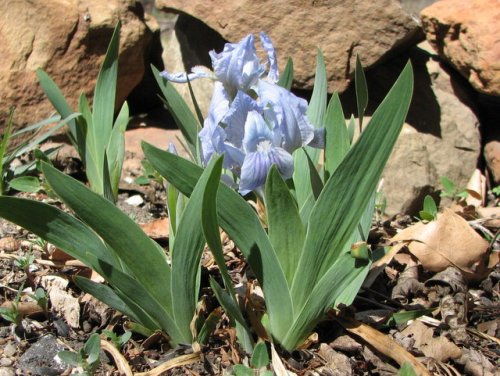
251, 120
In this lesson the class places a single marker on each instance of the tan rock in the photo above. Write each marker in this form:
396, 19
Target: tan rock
467, 34
492, 156
441, 134
68, 39
341, 29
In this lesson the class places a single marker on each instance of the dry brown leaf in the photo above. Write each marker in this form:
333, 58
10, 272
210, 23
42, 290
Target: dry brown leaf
420, 333
120, 361
182, 360
449, 240
490, 215
62, 301
441, 349
157, 229
384, 344
278, 366
476, 187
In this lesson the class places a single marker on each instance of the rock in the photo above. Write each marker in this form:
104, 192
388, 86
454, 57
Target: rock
68, 39
186, 44
492, 157
467, 34
7, 371
135, 200
440, 137
341, 30
39, 358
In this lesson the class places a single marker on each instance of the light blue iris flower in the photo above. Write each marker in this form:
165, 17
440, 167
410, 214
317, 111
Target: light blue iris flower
262, 149
252, 121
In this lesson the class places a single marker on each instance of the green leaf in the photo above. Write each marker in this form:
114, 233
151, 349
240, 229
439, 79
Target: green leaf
430, 209
186, 256
108, 296
337, 142
315, 113
184, 118
314, 178
241, 370
115, 150
242, 224
351, 128
57, 99
361, 91
209, 326
449, 187
317, 105
58, 228
330, 285
26, 184
92, 348
3, 148
286, 231
69, 357
286, 77
104, 100
399, 318
119, 231
342, 202
260, 357
227, 303
407, 370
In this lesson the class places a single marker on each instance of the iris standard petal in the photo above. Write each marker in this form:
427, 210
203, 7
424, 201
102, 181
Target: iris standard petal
290, 114
237, 66
273, 74
234, 120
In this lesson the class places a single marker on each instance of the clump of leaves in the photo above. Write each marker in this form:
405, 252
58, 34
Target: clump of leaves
451, 190
86, 359
258, 363
430, 210
96, 135
118, 340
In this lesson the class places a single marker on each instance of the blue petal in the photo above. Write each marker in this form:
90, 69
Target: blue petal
290, 114
319, 139
273, 74
212, 139
237, 66
257, 165
236, 117
183, 77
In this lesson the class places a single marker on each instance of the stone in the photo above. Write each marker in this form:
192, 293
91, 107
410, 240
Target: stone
467, 34
40, 358
340, 29
441, 134
68, 39
7, 371
492, 157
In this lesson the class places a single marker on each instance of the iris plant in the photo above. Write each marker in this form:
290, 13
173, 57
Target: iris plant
252, 120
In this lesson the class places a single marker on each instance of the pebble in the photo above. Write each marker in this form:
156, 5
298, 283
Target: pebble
135, 200
6, 362
9, 350
9, 244
7, 371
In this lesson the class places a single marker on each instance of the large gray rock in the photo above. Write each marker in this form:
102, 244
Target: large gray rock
341, 29
68, 39
440, 138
